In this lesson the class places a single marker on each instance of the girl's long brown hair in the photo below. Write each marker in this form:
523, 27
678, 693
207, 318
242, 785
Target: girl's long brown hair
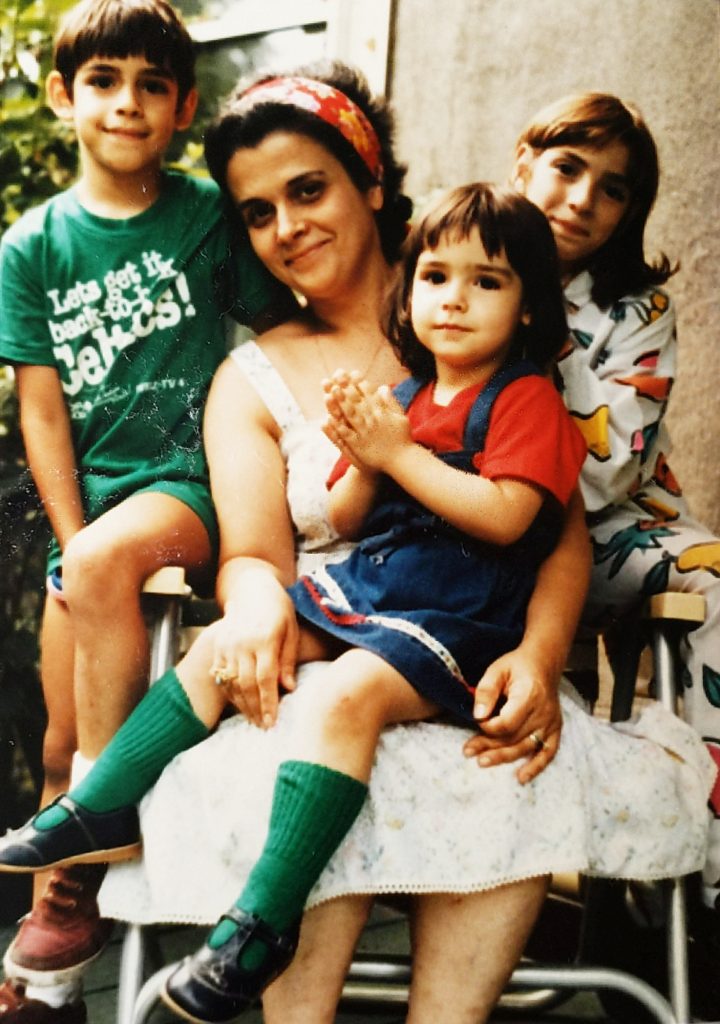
597, 119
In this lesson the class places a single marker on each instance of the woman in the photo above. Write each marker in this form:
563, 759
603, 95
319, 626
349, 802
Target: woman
318, 189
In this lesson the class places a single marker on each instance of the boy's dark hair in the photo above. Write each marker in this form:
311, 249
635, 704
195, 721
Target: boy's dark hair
506, 222
238, 128
596, 119
125, 28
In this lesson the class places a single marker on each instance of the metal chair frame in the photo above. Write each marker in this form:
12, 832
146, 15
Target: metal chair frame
385, 982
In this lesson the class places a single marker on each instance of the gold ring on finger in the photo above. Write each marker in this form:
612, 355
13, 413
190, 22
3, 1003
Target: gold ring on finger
538, 741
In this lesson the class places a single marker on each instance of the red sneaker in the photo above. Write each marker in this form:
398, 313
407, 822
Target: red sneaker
16, 1008
64, 931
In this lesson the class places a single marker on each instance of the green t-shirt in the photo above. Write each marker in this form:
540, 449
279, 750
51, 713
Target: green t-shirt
130, 313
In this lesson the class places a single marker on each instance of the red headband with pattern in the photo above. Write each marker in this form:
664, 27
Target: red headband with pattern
327, 103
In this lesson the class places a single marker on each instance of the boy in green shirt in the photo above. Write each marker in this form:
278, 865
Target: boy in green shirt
111, 303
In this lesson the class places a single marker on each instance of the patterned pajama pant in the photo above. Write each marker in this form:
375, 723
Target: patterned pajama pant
634, 558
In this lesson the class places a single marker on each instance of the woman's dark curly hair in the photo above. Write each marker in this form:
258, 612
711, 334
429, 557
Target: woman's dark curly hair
597, 119
236, 128
509, 223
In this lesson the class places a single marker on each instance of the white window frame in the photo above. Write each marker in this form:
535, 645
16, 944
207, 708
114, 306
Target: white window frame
358, 32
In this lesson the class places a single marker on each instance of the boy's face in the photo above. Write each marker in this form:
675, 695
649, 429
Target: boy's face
124, 110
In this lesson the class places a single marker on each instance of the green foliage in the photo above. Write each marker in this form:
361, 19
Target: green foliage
37, 158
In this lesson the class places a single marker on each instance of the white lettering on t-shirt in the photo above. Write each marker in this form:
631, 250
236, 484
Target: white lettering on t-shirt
109, 316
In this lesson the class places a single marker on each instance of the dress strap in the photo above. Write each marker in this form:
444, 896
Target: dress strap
268, 383
478, 420
407, 389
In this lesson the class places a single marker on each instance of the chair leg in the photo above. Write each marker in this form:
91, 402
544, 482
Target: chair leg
163, 646
677, 939
130, 980
664, 637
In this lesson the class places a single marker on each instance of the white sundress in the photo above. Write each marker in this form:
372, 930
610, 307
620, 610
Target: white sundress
624, 801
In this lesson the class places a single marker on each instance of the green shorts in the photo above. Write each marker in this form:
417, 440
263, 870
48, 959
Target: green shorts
192, 493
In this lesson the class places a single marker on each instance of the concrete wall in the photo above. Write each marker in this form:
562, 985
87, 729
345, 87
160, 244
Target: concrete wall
466, 75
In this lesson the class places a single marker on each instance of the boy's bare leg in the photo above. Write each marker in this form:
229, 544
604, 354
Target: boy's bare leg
64, 927
60, 740
56, 673
104, 567
103, 571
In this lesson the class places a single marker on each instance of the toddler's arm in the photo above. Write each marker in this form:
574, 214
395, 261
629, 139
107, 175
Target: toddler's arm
352, 495
375, 433
45, 427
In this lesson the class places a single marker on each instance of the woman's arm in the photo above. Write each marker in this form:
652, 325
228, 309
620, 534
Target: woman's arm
528, 677
45, 427
256, 643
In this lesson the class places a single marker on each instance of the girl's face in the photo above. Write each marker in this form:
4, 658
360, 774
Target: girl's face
306, 220
583, 191
465, 308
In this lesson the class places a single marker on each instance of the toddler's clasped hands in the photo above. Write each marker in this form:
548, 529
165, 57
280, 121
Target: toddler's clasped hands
365, 422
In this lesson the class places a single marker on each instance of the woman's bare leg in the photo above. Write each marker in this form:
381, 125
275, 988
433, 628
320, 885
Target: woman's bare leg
466, 946
309, 990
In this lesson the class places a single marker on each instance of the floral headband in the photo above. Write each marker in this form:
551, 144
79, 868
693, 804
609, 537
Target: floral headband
327, 103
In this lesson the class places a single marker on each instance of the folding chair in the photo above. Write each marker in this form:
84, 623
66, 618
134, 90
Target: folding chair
534, 986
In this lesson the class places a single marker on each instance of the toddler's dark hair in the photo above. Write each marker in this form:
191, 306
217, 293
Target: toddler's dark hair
509, 223
236, 128
597, 119
125, 28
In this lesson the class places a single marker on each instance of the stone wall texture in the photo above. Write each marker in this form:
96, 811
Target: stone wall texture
465, 76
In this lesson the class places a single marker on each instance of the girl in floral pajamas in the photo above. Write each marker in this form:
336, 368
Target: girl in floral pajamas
590, 163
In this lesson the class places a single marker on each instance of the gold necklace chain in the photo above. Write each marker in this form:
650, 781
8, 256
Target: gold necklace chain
363, 373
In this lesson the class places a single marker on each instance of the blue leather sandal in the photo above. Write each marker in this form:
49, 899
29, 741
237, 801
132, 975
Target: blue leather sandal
85, 837
210, 987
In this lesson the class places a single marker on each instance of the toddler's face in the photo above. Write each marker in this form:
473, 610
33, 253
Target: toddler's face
466, 307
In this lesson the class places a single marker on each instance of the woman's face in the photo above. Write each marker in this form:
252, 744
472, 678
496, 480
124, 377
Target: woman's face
583, 191
306, 220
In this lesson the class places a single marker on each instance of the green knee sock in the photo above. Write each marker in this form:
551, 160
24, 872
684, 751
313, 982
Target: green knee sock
313, 809
161, 726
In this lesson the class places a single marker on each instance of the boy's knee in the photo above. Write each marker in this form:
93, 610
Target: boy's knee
94, 568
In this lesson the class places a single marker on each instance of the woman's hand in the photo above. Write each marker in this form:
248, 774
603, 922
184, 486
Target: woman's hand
255, 648
528, 724
366, 423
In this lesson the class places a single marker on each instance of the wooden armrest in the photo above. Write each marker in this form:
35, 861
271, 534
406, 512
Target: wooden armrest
676, 605
168, 581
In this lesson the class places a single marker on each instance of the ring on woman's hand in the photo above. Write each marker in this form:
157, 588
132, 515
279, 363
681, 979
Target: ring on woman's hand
222, 677
538, 741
